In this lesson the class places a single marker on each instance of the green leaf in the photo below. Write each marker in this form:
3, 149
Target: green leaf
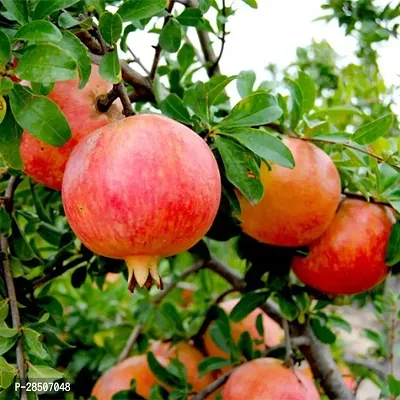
393, 249
39, 31
5, 222
173, 107
251, 3
248, 303
171, 36
163, 374
215, 87
44, 7
7, 344
3, 309
190, 17
40, 116
7, 373
296, 96
196, 99
79, 53
307, 86
372, 131
245, 345
98, 5
110, 27
241, 168
340, 111
46, 62
322, 332
336, 320
265, 145
288, 307
6, 332
204, 5
218, 336
185, 57
257, 109
3, 108
109, 68
211, 364
5, 49
44, 372
394, 385
32, 344
18, 243
139, 9
17, 9
67, 21
245, 83
5, 86
10, 139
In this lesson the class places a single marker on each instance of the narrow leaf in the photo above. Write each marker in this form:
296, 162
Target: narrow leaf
45, 7
171, 36
248, 303
139, 9
196, 99
393, 249
18, 9
307, 86
370, 132
5, 49
296, 96
173, 107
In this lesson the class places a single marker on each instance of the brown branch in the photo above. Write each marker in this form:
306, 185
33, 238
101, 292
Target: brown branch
7, 204
288, 346
223, 40
158, 48
123, 96
156, 301
378, 369
137, 60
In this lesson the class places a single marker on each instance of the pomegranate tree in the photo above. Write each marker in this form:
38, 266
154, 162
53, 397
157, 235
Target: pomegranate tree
139, 189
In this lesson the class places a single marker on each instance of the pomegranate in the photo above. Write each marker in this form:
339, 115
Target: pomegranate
139, 189
299, 203
45, 163
268, 379
350, 256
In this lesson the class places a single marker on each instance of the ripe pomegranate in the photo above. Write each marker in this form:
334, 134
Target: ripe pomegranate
45, 163
268, 379
120, 377
350, 256
139, 189
189, 356
298, 203
273, 333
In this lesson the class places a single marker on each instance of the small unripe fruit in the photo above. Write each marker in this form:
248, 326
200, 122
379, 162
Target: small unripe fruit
273, 333
298, 203
349, 257
45, 163
139, 189
268, 379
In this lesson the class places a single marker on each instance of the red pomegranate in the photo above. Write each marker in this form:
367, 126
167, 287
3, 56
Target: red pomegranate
139, 189
299, 203
349, 257
268, 379
45, 163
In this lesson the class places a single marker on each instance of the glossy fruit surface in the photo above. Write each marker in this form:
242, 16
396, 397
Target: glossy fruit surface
139, 189
45, 163
298, 203
268, 379
349, 257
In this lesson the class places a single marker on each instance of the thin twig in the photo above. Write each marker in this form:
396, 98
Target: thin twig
158, 48
99, 37
156, 301
353, 147
222, 38
372, 365
126, 103
288, 346
136, 59
7, 204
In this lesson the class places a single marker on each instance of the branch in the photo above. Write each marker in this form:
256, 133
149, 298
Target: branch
353, 147
222, 38
157, 300
288, 346
123, 96
136, 59
7, 204
158, 48
373, 366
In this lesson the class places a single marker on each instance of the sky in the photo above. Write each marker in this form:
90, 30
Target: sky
271, 34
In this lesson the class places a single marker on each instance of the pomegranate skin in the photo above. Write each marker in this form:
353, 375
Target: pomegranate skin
299, 203
45, 163
349, 257
141, 188
268, 379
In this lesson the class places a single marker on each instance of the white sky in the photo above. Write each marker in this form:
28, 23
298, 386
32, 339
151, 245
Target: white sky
271, 34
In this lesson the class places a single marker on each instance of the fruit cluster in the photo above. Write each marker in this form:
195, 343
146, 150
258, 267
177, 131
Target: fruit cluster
146, 187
